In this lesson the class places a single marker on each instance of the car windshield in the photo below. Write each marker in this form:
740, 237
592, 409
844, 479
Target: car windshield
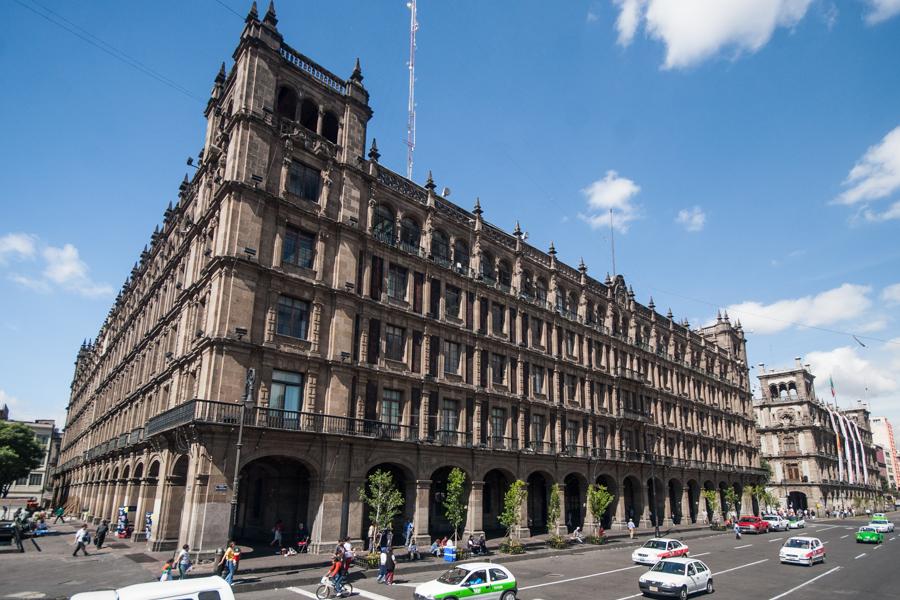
793, 519
453, 576
795, 543
665, 566
655, 544
880, 521
867, 529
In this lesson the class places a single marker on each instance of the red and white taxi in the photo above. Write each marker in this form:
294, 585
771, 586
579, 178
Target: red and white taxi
656, 549
802, 551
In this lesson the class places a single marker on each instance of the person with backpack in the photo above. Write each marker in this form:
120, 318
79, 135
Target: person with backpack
82, 539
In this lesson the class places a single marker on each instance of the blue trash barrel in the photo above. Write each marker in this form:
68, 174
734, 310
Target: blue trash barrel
450, 553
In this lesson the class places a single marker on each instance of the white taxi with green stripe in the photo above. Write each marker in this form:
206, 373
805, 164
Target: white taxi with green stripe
482, 580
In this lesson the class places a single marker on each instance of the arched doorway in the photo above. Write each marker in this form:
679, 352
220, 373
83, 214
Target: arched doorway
272, 489
438, 525
710, 509
538, 498
656, 498
675, 493
404, 482
574, 508
606, 520
496, 484
176, 484
693, 499
631, 492
723, 502
797, 501
738, 498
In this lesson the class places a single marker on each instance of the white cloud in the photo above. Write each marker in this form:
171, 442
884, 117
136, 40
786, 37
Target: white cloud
612, 193
855, 377
693, 219
881, 10
877, 174
842, 303
694, 30
873, 216
872, 324
891, 295
16, 245
63, 267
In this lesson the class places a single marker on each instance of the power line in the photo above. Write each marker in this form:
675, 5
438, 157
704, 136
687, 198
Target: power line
229, 9
86, 36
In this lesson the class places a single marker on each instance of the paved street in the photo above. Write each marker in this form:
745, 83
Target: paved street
745, 569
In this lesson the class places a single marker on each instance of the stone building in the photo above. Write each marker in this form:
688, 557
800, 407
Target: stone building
387, 329
883, 435
822, 457
37, 483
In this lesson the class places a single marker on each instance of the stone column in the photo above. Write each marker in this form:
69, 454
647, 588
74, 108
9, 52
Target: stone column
560, 525
420, 518
475, 512
686, 506
621, 518
522, 531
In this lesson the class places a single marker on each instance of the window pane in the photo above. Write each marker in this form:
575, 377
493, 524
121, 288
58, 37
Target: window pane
293, 317
397, 278
303, 181
298, 248
395, 342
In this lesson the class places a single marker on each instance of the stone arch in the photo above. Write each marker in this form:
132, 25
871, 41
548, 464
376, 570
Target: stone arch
330, 126
606, 519
710, 512
487, 268
693, 500
675, 492
739, 497
539, 483
438, 525
722, 488
798, 501
656, 499
139, 470
286, 103
575, 486
405, 481
174, 500
309, 114
272, 488
496, 483
633, 496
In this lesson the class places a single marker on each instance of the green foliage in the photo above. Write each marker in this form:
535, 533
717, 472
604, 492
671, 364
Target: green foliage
454, 503
383, 499
765, 466
731, 498
712, 502
596, 539
511, 546
599, 499
554, 509
512, 507
20, 452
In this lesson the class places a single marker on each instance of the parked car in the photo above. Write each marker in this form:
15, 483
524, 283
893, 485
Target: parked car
658, 548
678, 577
200, 588
869, 535
796, 522
802, 551
776, 522
751, 524
488, 581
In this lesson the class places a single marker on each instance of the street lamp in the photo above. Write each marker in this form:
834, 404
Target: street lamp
653, 486
248, 397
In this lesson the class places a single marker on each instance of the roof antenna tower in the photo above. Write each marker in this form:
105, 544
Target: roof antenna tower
411, 119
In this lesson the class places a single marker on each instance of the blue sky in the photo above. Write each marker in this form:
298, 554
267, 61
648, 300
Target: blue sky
750, 150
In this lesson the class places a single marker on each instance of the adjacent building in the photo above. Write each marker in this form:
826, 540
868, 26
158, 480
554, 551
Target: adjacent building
37, 483
883, 435
371, 324
821, 456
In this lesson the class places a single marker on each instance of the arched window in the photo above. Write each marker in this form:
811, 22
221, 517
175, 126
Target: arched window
789, 444
410, 235
461, 256
527, 285
330, 127
309, 114
504, 275
773, 391
540, 289
590, 312
488, 272
560, 298
440, 248
572, 304
383, 224
286, 103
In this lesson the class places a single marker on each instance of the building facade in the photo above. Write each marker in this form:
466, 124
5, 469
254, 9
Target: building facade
37, 483
883, 435
822, 457
386, 328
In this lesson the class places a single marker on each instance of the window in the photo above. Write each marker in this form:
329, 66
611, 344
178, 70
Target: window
452, 299
498, 368
570, 386
390, 407
537, 331
572, 433
397, 277
309, 114
35, 479
287, 391
383, 224
498, 314
540, 290
286, 104
449, 415
394, 342
527, 287
477, 577
570, 343
488, 272
410, 235
298, 247
440, 248
293, 317
461, 256
497, 574
451, 357
303, 181
537, 379
330, 127
537, 429
504, 275
498, 422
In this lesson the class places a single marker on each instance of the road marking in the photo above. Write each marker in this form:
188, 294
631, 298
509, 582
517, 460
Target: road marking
843, 536
696, 555
805, 583
827, 528
744, 546
892, 539
537, 585
775, 539
859, 557
356, 590
716, 573
878, 546
631, 596
302, 592
825, 542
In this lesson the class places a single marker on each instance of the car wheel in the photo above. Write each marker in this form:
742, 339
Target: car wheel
810, 563
709, 586
823, 559
683, 595
508, 595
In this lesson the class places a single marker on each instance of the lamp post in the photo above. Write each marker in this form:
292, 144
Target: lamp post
248, 396
653, 484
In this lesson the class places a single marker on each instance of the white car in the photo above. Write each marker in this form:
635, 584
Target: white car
482, 580
676, 577
802, 551
882, 525
776, 522
185, 589
658, 548
796, 522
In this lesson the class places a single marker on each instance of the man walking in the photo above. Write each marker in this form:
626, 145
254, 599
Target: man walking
82, 539
101, 533
409, 532
58, 513
631, 528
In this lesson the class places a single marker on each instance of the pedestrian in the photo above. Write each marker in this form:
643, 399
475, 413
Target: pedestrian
576, 535
101, 534
390, 566
482, 545
348, 554
302, 538
737, 531
167, 570
409, 532
631, 529
370, 538
413, 551
184, 561
228, 561
59, 513
382, 565
277, 533
82, 539
387, 538
334, 573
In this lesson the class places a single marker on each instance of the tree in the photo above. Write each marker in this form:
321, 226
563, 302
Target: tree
731, 497
712, 503
758, 492
383, 499
767, 467
20, 452
512, 506
454, 503
599, 499
553, 508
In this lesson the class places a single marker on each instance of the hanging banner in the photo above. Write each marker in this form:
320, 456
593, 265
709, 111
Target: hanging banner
848, 450
862, 457
837, 439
